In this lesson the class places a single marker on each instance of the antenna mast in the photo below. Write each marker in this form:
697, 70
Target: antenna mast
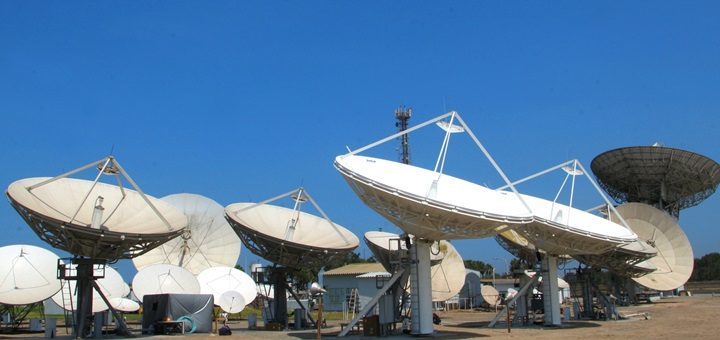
402, 115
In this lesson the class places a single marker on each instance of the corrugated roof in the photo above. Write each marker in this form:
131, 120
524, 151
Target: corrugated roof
373, 274
355, 269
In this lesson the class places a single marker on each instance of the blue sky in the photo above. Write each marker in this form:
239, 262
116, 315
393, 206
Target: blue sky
241, 101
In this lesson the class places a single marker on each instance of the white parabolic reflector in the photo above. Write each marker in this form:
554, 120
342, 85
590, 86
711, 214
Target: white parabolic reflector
208, 240
382, 244
311, 243
124, 305
164, 279
438, 206
490, 295
112, 286
232, 301
60, 200
456, 209
218, 280
448, 276
674, 260
28, 274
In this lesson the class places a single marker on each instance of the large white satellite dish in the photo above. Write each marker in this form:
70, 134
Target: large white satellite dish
207, 241
61, 213
289, 237
674, 260
112, 286
218, 280
164, 279
448, 276
457, 209
232, 301
28, 274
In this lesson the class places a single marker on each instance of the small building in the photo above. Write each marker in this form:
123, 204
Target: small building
469, 296
354, 284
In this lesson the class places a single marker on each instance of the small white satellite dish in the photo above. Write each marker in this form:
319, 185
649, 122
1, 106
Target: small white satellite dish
112, 286
218, 280
124, 305
232, 301
207, 241
164, 279
28, 274
490, 295
448, 276
511, 292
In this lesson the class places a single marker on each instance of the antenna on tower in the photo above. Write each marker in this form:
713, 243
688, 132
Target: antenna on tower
402, 115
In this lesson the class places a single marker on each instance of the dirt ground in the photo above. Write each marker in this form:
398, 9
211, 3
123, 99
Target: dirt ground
689, 318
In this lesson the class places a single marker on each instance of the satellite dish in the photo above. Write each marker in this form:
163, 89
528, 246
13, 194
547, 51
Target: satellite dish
112, 286
461, 209
207, 241
124, 305
490, 295
627, 260
675, 178
218, 280
674, 260
458, 210
383, 245
560, 229
29, 274
511, 292
448, 276
164, 279
289, 237
232, 301
61, 211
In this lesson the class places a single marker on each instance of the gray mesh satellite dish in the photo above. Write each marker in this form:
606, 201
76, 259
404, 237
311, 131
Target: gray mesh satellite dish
218, 280
290, 237
164, 279
232, 301
674, 260
207, 241
27, 274
111, 285
448, 276
124, 304
668, 178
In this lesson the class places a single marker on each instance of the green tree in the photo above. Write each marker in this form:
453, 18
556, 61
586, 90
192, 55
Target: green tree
707, 268
348, 258
484, 268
